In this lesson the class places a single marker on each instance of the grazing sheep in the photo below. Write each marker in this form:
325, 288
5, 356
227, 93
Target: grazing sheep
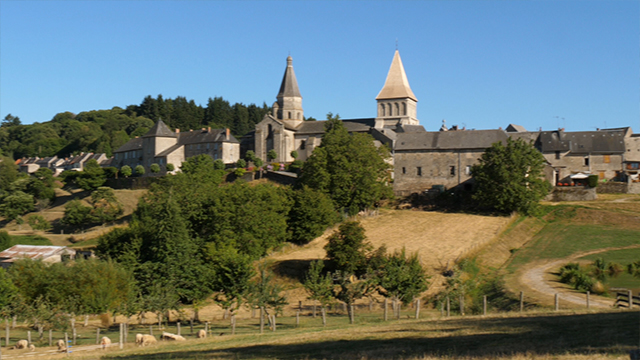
146, 340
202, 334
32, 347
139, 339
105, 342
61, 345
22, 344
170, 336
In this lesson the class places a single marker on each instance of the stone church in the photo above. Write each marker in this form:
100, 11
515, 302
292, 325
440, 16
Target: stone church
284, 130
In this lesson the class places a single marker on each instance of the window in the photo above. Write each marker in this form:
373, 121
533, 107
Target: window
198, 146
557, 155
389, 108
303, 144
586, 161
452, 170
289, 115
404, 108
606, 159
419, 171
404, 170
381, 109
397, 109
467, 170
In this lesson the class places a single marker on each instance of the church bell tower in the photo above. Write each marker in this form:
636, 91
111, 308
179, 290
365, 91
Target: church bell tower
288, 107
397, 105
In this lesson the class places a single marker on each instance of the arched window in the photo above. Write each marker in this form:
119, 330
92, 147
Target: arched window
397, 109
298, 117
381, 110
389, 108
404, 108
289, 117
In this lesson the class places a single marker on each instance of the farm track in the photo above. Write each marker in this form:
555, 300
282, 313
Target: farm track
540, 279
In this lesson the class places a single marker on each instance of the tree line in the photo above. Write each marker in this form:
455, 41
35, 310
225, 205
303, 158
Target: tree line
103, 131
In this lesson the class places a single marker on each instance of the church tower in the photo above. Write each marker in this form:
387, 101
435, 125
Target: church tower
288, 107
397, 105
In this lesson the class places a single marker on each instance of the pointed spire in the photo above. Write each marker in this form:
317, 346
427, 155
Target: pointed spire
160, 129
289, 86
397, 85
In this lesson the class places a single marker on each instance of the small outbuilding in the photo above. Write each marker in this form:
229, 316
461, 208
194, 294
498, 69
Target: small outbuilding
47, 254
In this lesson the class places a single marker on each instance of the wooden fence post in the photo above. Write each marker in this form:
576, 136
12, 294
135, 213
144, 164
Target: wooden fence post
121, 336
323, 310
557, 301
6, 334
178, 325
66, 343
588, 305
29, 337
630, 294
314, 309
484, 305
150, 329
448, 307
521, 301
370, 304
233, 324
417, 309
299, 305
273, 322
97, 336
50, 337
297, 318
75, 335
461, 305
206, 328
385, 308
261, 319
191, 325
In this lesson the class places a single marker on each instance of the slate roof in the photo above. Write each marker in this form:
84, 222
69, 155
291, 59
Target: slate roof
515, 128
409, 128
317, 127
160, 129
583, 142
449, 140
205, 136
133, 144
397, 85
289, 85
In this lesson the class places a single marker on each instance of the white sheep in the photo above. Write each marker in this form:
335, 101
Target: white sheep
22, 344
145, 340
170, 336
105, 342
202, 334
61, 345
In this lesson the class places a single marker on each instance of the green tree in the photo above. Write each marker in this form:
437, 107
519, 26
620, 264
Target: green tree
233, 277
312, 212
250, 156
38, 222
218, 165
265, 293
5, 240
271, 155
75, 213
318, 285
106, 207
126, 170
401, 278
348, 168
139, 170
16, 204
8, 292
92, 177
294, 154
41, 185
509, 177
348, 248
154, 168
8, 173
241, 163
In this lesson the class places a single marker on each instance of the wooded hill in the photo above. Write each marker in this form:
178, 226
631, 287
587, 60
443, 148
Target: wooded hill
103, 131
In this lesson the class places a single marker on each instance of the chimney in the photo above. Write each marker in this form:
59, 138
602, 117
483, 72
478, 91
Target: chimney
228, 133
209, 129
177, 131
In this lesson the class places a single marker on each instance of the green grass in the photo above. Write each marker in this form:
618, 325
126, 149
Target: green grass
561, 239
622, 257
29, 240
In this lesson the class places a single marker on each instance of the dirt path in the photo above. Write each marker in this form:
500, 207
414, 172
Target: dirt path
539, 278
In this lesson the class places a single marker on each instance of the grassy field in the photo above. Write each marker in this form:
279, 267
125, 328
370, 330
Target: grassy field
29, 240
539, 335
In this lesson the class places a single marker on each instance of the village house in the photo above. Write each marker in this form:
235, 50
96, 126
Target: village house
162, 146
46, 254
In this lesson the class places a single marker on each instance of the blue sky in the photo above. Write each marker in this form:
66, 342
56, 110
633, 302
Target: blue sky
479, 64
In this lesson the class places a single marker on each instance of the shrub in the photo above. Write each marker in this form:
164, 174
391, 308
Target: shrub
241, 163
218, 165
170, 167
75, 213
38, 222
140, 170
239, 172
126, 171
593, 180
155, 168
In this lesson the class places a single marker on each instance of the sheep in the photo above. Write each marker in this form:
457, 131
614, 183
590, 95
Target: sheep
61, 345
202, 334
105, 342
22, 344
170, 336
145, 340
32, 347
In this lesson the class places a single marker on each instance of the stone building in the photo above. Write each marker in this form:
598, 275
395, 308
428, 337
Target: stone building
162, 146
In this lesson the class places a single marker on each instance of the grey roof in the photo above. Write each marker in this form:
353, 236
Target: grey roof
133, 144
160, 129
449, 140
515, 128
289, 86
409, 128
205, 136
528, 136
317, 127
583, 142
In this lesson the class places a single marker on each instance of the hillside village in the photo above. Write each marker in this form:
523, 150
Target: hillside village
420, 159
204, 249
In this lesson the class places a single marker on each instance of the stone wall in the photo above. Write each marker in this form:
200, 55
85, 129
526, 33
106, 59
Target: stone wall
634, 188
612, 187
577, 193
